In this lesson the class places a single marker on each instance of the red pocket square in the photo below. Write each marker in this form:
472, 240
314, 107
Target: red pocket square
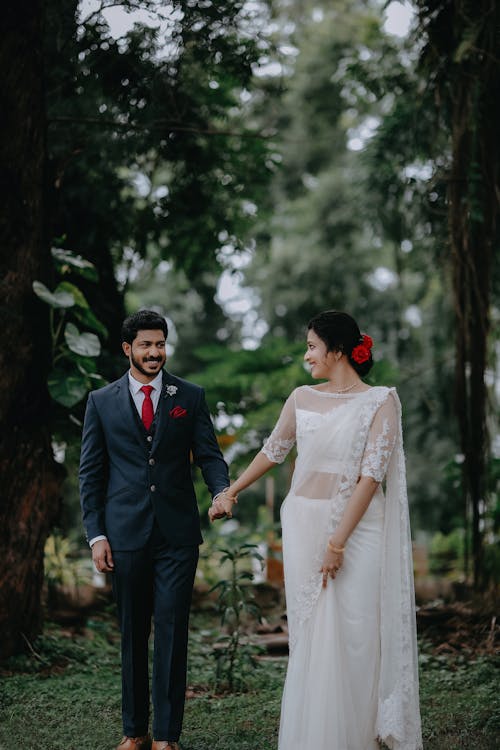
177, 412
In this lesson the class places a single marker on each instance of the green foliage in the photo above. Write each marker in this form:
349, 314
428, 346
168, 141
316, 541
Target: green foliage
458, 60
362, 227
446, 552
46, 697
60, 568
459, 702
168, 161
60, 298
73, 352
491, 563
235, 657
152, 152
67, 261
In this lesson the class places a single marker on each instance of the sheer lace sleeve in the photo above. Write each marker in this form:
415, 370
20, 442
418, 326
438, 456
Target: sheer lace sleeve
381, 440
282, 439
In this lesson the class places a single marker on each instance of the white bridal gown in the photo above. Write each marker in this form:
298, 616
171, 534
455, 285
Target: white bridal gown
352, 673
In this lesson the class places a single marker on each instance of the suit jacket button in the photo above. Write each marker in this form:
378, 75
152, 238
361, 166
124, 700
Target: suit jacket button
149, 438
151, 462
153, 487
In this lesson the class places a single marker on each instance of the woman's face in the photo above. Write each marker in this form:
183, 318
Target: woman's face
317, 357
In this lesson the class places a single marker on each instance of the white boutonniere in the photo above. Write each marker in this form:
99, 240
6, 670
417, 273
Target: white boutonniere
171, 390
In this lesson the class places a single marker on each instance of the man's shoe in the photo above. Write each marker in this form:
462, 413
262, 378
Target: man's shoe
135, 743
164, 745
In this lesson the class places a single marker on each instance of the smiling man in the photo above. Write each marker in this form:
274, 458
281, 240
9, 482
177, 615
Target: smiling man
141, 519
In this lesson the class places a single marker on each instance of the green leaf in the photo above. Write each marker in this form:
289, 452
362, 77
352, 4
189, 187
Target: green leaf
86, 365
216, 586
89, 320
245, 575
66, 389
97, 380
84, 344
67, 261
66, 286
57, 299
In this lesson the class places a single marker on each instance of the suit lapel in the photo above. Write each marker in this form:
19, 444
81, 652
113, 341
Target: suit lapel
125, 406
167, 397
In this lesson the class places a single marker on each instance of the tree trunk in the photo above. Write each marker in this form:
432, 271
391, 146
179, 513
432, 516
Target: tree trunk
30, 480
473, 212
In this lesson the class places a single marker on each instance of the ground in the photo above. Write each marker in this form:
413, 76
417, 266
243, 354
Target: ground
65, 693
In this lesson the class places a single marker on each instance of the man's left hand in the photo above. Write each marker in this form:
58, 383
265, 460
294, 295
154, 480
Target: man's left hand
223, 506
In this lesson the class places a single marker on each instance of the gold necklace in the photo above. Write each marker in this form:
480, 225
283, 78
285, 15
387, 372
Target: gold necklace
348, 388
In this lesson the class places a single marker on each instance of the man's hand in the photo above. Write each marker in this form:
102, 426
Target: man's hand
102, 557
223, 506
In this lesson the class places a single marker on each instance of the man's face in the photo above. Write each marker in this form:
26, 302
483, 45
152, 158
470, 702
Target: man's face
146, 354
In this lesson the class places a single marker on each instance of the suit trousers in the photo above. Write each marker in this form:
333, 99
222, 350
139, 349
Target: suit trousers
154, 582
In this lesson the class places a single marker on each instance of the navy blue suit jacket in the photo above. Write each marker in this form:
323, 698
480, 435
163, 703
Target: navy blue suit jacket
129, 476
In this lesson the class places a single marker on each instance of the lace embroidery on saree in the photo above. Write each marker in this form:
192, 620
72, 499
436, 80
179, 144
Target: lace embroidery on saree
308, 593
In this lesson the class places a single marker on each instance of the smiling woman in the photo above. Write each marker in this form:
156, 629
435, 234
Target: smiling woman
352, 675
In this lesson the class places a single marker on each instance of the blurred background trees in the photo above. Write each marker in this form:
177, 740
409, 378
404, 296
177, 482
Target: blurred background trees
239, 166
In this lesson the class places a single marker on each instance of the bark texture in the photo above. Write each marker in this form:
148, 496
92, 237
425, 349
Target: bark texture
473, 221
29, 478
460, 58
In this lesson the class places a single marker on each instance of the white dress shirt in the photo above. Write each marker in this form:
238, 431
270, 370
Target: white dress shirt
138, 397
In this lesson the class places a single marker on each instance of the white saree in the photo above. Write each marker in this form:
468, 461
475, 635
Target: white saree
352, 674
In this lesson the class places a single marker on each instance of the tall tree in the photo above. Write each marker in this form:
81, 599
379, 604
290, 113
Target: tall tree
151, 157
460, 57
146, 110
353, 225
29, 477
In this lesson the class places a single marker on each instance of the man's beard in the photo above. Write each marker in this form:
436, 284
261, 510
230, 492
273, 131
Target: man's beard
141, 368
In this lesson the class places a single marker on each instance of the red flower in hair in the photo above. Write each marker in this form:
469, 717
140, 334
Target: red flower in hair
360, 354
367, 341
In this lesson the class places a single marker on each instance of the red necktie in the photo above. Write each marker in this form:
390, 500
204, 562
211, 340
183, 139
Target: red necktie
147, 407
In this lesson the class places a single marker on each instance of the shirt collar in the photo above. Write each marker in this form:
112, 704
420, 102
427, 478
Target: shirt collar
135, 385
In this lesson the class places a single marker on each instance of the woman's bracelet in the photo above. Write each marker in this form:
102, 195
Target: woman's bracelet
338, 550
222, 492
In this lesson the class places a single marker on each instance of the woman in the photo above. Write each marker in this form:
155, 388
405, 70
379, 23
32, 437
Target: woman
352, 674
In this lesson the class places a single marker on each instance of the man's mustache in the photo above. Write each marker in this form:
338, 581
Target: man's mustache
153, 359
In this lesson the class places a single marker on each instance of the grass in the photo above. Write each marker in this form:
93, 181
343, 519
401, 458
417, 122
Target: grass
460, 702
68, 698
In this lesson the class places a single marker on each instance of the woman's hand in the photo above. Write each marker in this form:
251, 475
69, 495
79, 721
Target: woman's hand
223, 506
332, 562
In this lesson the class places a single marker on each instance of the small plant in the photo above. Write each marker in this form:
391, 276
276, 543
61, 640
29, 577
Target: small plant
235, 655
74, 352
446, 552
67, 576
60, 570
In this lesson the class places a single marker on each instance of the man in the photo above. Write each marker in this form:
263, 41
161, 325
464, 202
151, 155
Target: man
141, 519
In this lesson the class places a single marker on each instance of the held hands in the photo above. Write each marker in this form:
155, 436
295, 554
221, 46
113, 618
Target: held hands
223, 506
102, 557
332, 561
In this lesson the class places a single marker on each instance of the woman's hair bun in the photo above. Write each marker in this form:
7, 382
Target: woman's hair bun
340, 333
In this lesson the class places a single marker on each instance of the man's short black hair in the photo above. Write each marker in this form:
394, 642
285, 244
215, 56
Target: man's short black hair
143, 320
